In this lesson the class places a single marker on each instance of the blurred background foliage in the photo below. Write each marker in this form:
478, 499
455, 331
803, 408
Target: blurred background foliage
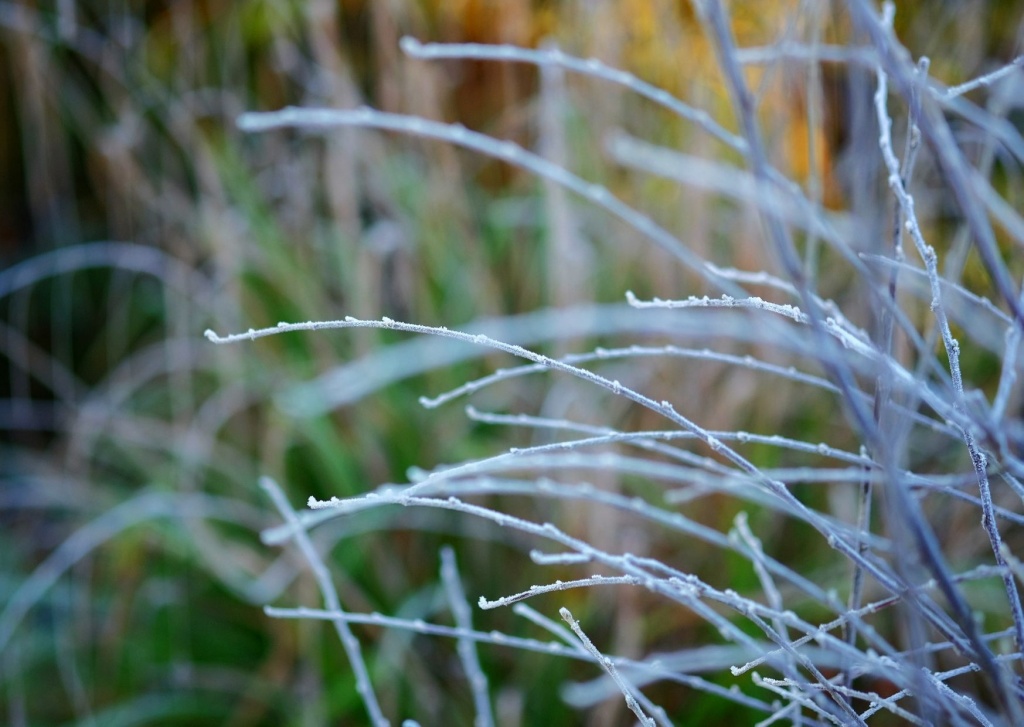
135, 215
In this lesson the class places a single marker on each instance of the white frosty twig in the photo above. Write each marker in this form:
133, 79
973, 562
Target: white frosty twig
609, 666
